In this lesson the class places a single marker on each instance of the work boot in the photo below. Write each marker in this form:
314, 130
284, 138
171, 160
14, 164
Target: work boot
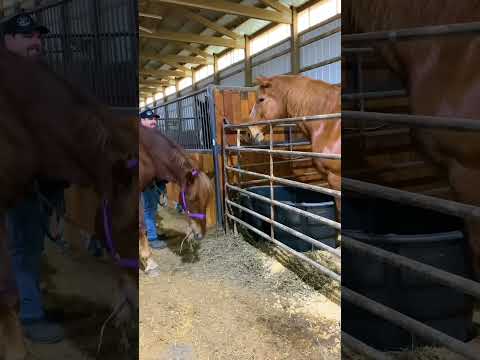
157, 244
42, 331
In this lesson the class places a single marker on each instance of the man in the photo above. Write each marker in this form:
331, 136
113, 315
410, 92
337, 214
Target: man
151, 196
28, 221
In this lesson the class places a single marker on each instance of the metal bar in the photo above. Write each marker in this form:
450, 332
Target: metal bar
283, 144
363, 348
424, 31
409, 324
374, 94
319, 267
281, 121
427, 202
416, 120
439, 276
319, 189
283, 227
272, 191
314, 217
285, 152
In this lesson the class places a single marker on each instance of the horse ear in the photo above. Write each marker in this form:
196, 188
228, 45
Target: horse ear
264, 82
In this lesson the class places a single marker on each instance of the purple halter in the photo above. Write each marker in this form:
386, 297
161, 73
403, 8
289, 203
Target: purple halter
184, 203
107, 226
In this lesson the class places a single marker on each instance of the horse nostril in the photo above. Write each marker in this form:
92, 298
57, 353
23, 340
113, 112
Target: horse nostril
198, 236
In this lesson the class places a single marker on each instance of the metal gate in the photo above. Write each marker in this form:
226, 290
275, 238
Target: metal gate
190, 122
93, 44
458, 209
274, 224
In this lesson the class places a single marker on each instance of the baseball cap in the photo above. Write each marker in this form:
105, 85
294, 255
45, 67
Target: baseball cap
149, 114
23, 24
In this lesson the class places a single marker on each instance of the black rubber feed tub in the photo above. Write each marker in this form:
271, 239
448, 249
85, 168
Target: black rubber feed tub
426, 236
307, 200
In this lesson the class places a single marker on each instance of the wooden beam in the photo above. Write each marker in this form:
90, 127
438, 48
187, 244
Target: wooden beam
167, 59
186, 71
177, 66
195, 38
164, 73
233, 8
277, 5
198, 51
151, 16
145, 29
210, 24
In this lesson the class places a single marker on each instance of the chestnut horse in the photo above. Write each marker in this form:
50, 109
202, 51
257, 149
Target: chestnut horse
442, 78
49, 129
163, 159
287, 96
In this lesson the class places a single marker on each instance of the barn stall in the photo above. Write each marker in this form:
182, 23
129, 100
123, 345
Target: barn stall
238, 294
92, 44
400, 220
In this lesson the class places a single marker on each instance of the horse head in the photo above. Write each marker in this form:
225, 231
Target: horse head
271, 104
194, 199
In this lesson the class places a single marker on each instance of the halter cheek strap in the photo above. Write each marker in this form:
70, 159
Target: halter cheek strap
184, 203
107, 227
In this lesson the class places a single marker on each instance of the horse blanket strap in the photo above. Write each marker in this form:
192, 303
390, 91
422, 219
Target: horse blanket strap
127, 263
184, 203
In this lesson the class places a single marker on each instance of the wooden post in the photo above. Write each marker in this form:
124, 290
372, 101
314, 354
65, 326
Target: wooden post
248, 62
194, 80
216, 75
294, 48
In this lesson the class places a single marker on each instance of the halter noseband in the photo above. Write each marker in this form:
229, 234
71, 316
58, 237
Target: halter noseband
184, 203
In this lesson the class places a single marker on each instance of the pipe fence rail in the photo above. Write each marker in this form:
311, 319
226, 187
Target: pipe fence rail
236, 129
458, 209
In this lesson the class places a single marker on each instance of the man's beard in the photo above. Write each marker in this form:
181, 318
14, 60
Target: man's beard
34, 52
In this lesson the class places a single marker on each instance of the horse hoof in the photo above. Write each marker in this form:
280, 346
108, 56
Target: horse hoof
153, 273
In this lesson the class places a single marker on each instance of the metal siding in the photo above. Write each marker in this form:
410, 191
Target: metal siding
320, 30
186, 91
267, 54
277, 66
330, 73
320, 50
204, 82
234, 80
231, 69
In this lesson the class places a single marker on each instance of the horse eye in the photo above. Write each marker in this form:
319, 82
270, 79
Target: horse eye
261, 100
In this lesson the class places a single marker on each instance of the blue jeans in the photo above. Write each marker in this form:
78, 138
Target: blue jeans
151, 198
26, 224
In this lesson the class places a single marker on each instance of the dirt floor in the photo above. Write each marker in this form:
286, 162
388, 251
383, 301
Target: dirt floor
227, 299
78, 291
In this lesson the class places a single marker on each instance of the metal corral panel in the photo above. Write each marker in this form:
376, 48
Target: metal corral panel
330, 73
234, 80
277, 66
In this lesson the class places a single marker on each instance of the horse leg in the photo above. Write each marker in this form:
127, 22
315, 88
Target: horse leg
149, 266
12, 345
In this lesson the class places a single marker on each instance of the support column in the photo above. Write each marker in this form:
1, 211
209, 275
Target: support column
248, 62
294, 45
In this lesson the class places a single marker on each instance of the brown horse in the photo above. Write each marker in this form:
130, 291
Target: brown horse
442, 78
162, 159
286, 96
50, 130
